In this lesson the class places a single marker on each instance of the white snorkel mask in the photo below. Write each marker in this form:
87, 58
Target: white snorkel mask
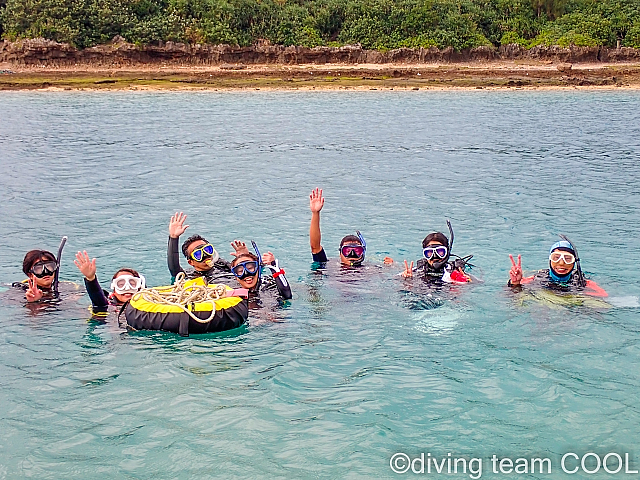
128, 284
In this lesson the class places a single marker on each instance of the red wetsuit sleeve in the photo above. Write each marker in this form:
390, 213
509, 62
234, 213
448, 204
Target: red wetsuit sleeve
595, 290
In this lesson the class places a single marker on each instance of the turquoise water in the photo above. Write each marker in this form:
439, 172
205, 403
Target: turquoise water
350, 373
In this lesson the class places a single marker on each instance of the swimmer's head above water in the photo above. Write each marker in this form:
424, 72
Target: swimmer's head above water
246, 269
435, 248
562, 260
40, 266
125, 283
200, 254
352, 249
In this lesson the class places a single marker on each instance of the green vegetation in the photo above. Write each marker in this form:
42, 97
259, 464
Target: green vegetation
375, 24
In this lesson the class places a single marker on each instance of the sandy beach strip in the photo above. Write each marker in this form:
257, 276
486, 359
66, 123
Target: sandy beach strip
526, 75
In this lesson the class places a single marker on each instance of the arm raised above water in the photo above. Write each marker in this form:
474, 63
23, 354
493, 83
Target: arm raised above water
316, 202
176, 228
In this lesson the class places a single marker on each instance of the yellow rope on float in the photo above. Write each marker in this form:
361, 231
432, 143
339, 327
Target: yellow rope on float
180, 296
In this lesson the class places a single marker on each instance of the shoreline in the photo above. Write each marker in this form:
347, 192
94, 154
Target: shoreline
497, 75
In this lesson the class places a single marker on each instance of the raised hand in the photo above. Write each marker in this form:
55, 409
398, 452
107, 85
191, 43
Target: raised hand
516, 270
33, 293
87, 267
316, 200
268, 258
239, 247
176, 225
408, 270
388, 261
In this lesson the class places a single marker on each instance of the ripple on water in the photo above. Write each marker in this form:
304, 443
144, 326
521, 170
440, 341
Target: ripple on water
357, 367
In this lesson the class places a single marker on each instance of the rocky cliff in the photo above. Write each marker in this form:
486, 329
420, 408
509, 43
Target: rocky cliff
120, 53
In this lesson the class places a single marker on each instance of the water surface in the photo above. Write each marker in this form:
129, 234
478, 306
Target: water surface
349, 374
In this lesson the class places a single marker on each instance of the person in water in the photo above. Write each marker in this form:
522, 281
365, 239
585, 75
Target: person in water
564, 273
352, 247
437, 266
125, 283
249, 268
40, 266
200, 254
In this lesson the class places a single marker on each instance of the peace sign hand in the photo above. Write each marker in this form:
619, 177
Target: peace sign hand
316, 200
516, 270
176, 225
33, 293
408, 270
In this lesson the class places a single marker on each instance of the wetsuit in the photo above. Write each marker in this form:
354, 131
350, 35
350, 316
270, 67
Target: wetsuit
543, 279
320, 257
275, 286
100, 299
450, 272
220, 272
47, 293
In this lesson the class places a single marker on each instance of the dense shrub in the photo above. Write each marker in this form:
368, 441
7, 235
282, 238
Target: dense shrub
377, 24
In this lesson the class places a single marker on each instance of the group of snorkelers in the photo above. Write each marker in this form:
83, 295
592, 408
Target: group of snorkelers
440, 266
262, 276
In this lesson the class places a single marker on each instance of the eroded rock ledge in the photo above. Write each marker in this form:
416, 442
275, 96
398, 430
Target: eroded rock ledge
120, 53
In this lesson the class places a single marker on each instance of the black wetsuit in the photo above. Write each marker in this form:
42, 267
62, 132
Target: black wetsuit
276, 288
220, 272
542, 279
435, 275
47, 293
100, 299
321, 261
320, 257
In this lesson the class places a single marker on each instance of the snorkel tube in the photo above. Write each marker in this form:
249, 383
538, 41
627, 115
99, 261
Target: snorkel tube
55, 275
450, 235
260, 264
581, 280
364, 245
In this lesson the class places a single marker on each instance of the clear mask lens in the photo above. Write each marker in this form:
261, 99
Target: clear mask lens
566, 257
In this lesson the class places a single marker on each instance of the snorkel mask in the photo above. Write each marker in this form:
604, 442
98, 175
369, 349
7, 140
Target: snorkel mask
44, 268
204, 253
354, 252
442, 251
128, 284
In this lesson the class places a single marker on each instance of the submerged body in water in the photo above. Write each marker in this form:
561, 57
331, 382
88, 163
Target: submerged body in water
562, 284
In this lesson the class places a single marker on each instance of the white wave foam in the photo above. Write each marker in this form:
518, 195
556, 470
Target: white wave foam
624, 302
